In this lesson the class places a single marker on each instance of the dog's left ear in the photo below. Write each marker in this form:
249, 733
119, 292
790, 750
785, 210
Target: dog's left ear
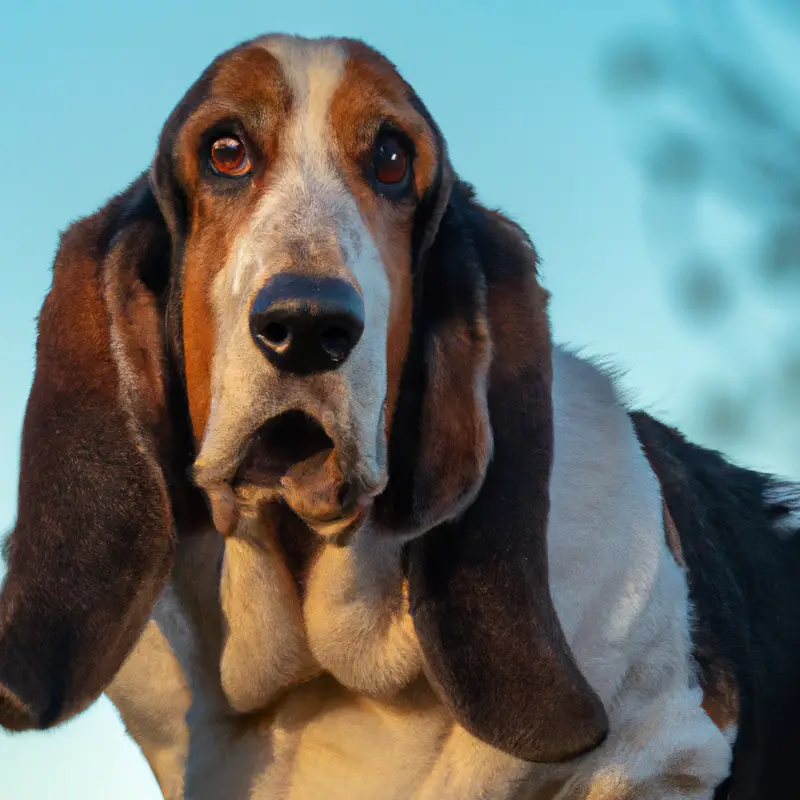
100, 468
470, 457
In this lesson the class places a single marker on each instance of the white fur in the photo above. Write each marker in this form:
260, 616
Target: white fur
151, 693
356, 612
621, 600
264, 647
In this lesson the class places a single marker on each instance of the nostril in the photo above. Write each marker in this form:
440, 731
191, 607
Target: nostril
337, 343
275, 334
347, 495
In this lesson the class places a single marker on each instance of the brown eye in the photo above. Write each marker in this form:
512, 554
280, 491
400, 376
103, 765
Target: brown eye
229, 157
390, 161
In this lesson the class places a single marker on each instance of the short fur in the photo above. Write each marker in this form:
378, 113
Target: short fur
508, 611
742, 570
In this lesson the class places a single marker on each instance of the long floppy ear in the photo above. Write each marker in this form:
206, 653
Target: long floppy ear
94, 538
478, 582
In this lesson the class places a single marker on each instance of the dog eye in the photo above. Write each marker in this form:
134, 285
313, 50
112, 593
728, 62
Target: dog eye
390, 161
229, 157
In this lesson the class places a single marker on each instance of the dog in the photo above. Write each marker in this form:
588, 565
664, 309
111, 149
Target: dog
309, 492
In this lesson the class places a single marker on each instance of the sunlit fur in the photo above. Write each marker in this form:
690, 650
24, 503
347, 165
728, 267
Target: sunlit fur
619, 594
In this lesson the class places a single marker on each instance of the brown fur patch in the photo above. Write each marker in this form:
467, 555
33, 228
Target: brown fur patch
673, 539
247, 96
370, 94
670, 531
721, 700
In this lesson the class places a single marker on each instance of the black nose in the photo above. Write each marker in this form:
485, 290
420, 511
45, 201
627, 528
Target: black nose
305, 324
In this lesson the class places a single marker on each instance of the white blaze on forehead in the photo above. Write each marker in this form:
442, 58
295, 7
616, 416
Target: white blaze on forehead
313, 70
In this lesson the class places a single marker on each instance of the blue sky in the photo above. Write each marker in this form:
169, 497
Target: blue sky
514, 86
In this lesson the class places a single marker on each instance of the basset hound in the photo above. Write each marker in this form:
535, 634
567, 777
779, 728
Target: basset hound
308, 492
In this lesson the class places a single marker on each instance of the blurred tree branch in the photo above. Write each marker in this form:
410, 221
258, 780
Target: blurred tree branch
715, 118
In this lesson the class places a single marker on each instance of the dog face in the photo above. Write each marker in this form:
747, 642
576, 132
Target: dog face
299, 306
293, 175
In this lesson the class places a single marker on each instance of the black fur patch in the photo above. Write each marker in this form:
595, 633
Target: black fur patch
478, 586
744, 585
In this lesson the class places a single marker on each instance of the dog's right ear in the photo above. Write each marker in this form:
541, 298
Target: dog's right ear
93, 542
478, 582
